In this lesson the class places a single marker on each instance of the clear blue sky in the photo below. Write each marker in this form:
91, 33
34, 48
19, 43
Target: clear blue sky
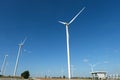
94, 36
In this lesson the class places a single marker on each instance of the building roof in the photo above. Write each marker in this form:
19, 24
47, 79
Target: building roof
100, 72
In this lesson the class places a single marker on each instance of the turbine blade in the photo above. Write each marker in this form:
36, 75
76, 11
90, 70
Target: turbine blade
62, 22
90, 65
24, 41
77, 15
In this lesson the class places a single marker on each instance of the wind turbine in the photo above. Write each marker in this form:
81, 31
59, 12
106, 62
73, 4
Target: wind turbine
92, 66
3, 65
67, 36
17, 60
5, 68
73, 69
62, 71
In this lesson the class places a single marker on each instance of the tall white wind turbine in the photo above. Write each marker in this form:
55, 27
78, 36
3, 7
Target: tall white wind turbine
17, 60
67, 37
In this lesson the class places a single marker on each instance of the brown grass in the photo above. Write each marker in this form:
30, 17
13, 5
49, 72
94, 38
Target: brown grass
61, 79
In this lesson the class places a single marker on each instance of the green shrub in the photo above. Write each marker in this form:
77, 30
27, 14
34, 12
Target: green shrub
25, 74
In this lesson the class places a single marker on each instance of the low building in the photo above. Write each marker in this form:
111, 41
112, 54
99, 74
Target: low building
99, 75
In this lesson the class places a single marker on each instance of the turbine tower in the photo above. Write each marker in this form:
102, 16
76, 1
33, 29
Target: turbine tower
67, 38
4, 64
17, 60
5, 68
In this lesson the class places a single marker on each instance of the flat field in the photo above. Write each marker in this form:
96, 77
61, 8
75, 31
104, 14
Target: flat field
60, 79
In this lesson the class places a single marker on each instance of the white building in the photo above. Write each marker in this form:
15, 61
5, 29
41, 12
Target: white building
99, 75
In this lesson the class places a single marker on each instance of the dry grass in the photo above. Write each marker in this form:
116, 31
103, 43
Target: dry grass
60, 79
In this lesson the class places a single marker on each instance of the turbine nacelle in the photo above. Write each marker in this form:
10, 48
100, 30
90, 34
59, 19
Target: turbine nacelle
22, 43
6, 55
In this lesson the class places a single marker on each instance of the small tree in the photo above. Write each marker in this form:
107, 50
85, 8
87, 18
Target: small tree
25, 74
64, 77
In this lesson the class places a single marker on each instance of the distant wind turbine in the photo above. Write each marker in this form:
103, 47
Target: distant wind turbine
67, 36
17, 60
4, 64
5, 67
92, 66
62, 71
73, 69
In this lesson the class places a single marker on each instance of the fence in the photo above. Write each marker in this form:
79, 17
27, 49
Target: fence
113, 77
